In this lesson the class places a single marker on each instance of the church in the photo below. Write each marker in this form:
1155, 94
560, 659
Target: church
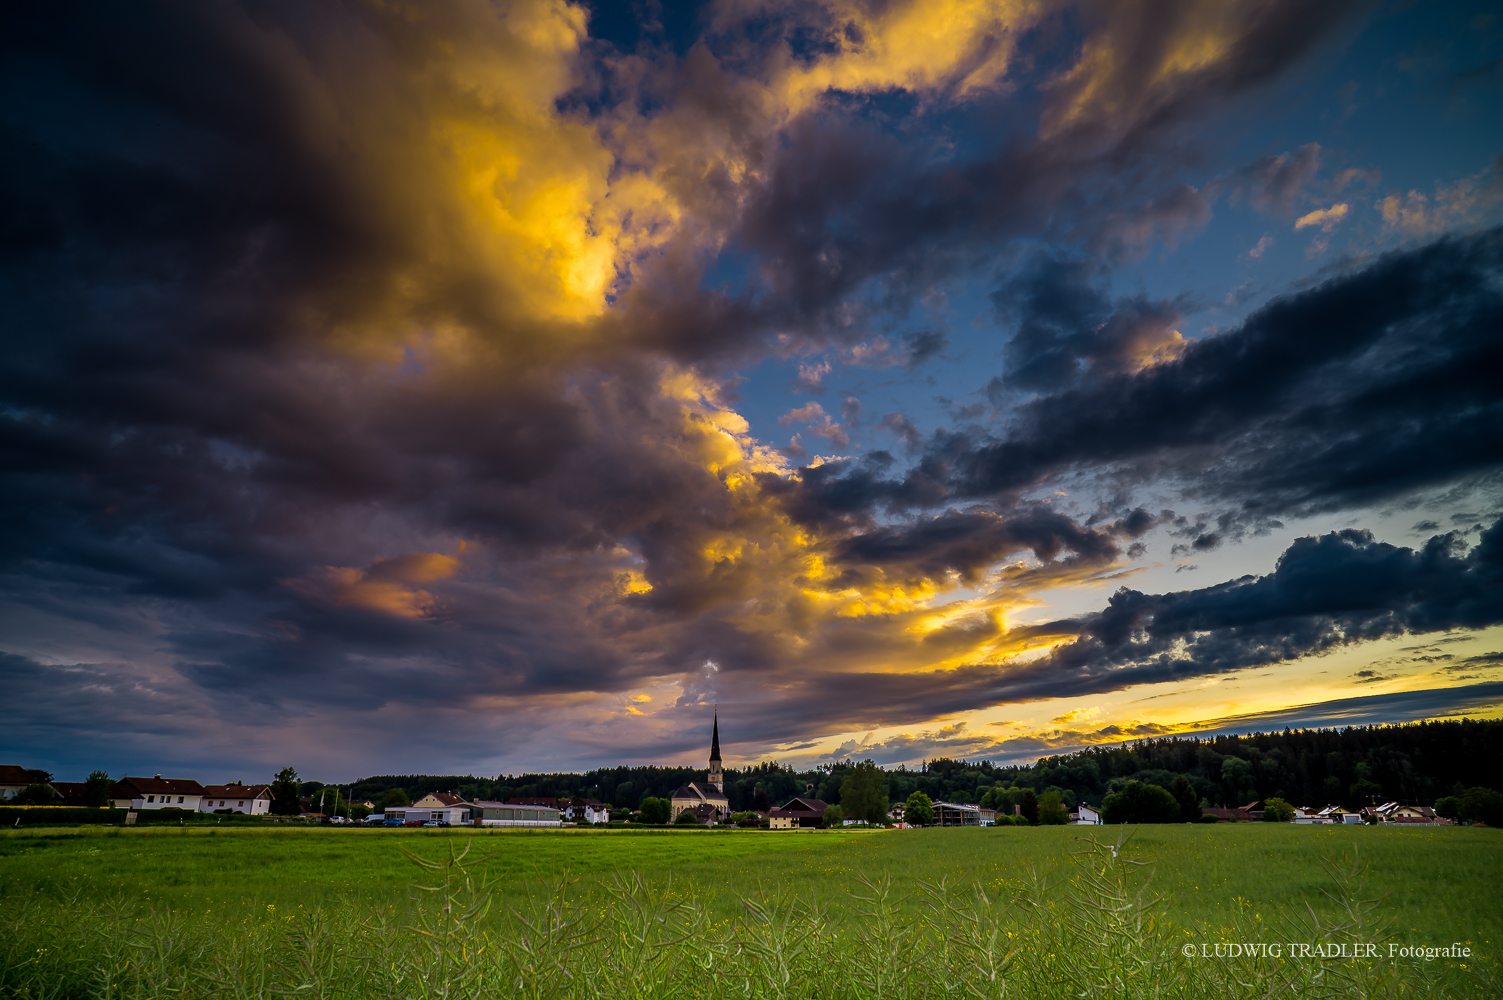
706, 800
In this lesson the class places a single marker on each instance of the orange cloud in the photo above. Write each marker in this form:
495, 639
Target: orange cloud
386, 585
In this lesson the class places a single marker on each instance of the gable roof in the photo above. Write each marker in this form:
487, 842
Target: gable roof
10, 774
237, 791
443, 798
133, 788
531, 801
803, 805
693, 790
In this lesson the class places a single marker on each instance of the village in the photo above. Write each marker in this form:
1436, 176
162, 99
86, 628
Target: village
701, 804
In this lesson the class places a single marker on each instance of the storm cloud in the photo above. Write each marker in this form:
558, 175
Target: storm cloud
365, 366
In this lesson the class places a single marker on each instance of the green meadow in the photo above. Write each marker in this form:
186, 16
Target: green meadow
1061, 903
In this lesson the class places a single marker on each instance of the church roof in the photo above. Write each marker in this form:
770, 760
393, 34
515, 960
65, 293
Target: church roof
715, 739
701, 793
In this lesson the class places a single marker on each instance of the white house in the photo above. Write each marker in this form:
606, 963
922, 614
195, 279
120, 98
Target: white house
253, 800
156, 793
589, 811
1085, 815
514, 814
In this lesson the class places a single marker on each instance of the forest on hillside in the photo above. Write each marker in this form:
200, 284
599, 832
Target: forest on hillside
1353, 767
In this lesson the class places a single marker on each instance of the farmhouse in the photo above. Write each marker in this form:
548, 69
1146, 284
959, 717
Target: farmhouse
253, 800
712, 792
156, 793
798, 813
514, 813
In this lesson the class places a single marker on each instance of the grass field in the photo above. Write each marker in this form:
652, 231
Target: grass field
214, 891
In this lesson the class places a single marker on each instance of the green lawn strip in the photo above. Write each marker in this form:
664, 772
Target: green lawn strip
308, 864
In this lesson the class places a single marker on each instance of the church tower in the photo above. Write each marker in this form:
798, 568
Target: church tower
716, 778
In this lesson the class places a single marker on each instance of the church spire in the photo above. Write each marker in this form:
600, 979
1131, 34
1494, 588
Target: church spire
717, 779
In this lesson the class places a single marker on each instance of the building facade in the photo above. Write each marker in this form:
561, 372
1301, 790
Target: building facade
253, 800
156, 793
515, 814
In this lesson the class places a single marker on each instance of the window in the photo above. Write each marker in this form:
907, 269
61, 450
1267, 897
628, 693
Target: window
151, 798
240, 803
180, 798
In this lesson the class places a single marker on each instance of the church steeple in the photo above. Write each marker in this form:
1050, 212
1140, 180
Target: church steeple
716, 777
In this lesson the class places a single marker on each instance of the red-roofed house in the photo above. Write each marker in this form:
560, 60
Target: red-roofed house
12, 780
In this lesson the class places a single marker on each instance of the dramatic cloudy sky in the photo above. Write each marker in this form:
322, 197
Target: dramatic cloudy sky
489, 386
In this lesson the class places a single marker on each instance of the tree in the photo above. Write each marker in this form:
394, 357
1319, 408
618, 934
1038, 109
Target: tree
358, 811
34, 795
395, 797
655, 810
1482, 805
685, 818
918, 810
97, 790
1052, 811
284, 797
1189, 802
1448, 806
863, 793
834, 816
1140, 802
760, 802
1277, 811
1030, 803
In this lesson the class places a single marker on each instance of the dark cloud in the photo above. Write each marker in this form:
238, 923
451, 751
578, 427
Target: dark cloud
1068, 331
1326, 592
310, 405
1369, 386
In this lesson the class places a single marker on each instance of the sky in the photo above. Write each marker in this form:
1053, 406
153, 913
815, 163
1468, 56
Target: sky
488, 387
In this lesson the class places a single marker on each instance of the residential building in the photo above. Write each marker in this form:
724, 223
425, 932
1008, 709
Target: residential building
238, 797
711, 792
1085, 815
156, 793
1388, 812
512, 813
956, 814
12, 780
988, 816
706, 814
799, 813
588, 811
896, 812
1336, 814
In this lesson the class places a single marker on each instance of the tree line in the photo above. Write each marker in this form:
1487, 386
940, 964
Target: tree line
1419, 763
